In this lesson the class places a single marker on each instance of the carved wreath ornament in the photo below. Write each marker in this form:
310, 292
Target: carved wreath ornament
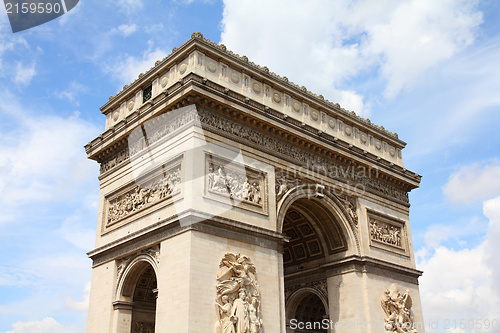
238, 297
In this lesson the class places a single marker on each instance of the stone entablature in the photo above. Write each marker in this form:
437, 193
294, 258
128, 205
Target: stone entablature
214, 63
346, 171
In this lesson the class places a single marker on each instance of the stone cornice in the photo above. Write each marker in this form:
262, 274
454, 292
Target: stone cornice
206, 47
113, 143
191, 220
363, 264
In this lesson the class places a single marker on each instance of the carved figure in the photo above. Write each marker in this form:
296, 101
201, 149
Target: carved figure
235, 184
398, 312
385, 233
255, 321
226, 320
140, 196
240, 312
284, 182
236, 287
350, 206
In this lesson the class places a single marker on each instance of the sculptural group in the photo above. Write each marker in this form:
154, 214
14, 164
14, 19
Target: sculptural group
398, 312
238, 297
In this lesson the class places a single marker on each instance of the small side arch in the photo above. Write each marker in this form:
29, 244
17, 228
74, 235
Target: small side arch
298, 296
130, 275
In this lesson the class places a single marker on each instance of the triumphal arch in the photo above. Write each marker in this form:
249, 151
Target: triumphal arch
234, 201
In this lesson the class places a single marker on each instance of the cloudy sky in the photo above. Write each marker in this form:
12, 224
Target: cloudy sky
429, 70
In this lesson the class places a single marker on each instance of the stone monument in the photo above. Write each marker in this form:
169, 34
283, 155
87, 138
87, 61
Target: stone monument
235, 201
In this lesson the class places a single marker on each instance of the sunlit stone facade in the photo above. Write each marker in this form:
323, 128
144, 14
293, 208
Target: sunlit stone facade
233, 200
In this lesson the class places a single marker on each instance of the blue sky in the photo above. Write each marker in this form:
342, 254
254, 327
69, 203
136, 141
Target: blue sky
428, 70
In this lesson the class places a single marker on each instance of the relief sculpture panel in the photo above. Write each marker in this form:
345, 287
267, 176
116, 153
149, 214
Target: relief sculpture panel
236, 184
387, 233
161, 186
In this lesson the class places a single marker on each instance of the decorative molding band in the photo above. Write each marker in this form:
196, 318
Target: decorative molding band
353, 175
319, 164
163, 131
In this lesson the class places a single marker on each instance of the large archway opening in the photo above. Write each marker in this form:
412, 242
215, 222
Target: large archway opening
316, 240
144, 302
314, 235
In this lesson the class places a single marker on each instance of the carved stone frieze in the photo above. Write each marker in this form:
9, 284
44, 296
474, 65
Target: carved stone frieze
238, 297
243, 186
398, 311
161, 127
322, 165
354, 175
135, 146
163, 186
384, 188
121, 156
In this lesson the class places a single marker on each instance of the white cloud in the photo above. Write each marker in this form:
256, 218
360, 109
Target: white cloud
76, 232
124, 29
417, 35
130, 6
127, 69
47, 325
188, 2
354, 101
473, 183
491, 209
155, 28
39, 163
24, 74
68, 16
437, 234
43, 159
15, 276
80, 305
323, 44
71, 92
464, 284
127, 29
